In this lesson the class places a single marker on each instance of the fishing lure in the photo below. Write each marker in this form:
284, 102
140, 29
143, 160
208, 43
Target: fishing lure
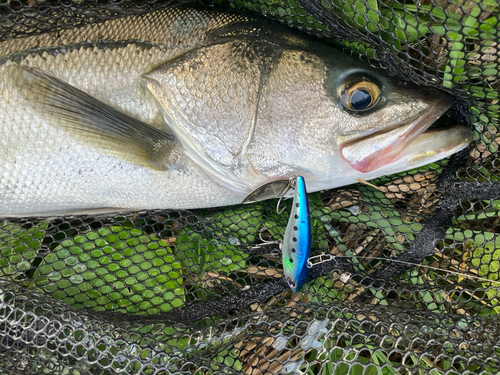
296, 246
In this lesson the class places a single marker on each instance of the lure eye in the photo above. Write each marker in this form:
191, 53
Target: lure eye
359, 96
291, 283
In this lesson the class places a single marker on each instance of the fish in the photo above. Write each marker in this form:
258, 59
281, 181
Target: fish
186, 108
296, 245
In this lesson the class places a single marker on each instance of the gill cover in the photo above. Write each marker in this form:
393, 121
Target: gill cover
210, 97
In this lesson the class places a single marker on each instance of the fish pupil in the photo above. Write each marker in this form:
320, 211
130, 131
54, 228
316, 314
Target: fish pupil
360, 99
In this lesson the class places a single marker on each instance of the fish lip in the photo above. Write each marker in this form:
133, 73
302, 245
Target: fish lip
456, 138
420, 123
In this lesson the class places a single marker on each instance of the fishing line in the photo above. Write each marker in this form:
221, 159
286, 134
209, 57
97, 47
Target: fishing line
259, 293
333, 258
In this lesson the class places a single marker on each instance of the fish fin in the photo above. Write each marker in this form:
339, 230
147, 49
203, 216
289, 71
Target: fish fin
93, 121
209, 97
269, 190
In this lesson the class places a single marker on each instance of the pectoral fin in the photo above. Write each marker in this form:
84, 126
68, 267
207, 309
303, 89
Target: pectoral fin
269, 190
91, 120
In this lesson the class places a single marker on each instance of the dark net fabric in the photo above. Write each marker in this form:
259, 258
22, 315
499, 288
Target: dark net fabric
413, 285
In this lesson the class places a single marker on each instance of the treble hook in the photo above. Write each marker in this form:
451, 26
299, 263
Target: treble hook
291, 185
266, 242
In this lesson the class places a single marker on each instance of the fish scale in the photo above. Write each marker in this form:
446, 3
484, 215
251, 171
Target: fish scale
296, 247
239, 101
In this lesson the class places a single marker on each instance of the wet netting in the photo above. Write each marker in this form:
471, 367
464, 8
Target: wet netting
413, 285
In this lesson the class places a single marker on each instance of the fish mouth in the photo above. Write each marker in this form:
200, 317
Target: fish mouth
370, 152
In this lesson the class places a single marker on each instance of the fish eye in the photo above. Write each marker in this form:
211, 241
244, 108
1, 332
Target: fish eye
359, 96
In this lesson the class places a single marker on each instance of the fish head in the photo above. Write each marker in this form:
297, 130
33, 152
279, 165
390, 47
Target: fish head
334, 120
253, 111
379, 116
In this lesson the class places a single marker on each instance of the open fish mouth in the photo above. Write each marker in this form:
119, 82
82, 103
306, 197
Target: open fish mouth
370, 152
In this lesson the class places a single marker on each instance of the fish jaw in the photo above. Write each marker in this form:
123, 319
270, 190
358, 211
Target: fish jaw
368, 153
433, 145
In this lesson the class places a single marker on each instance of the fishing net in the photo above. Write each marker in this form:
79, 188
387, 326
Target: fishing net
412, 287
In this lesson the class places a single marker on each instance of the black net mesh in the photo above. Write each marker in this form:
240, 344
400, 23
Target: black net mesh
413, 287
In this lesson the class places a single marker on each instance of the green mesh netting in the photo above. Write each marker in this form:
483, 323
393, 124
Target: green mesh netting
185, 292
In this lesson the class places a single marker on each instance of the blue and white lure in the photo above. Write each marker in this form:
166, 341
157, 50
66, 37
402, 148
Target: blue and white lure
296, 246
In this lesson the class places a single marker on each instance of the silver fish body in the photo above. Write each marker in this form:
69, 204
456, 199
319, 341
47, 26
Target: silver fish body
194, 108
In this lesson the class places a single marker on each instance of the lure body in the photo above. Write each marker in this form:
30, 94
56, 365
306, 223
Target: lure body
296, 247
